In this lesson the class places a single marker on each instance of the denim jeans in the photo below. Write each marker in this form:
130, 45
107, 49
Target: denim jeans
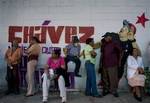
91, 88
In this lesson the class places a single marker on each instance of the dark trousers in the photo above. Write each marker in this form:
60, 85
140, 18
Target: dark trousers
12, 78
76, 60
110, 79
63, 72
105, 79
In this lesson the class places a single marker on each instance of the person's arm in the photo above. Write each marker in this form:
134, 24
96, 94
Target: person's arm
141, 68
62, 62
39, 49
79, 54
65, 51
82, 54
131, 64
93, 53
16, 56
26, 51
6, 56
141, 63
29, 49
97, 45
47, 66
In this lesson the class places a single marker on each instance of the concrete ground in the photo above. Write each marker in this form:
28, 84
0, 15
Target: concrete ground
73, 97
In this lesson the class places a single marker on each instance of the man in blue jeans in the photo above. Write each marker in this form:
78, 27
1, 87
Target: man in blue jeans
89, 55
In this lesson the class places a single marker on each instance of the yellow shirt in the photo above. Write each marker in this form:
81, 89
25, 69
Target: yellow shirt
87, 54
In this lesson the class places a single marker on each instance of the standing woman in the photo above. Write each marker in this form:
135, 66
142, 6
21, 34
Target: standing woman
135, 74
90, 59
33, 53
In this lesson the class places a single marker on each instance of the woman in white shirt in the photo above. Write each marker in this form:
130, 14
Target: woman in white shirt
135, 74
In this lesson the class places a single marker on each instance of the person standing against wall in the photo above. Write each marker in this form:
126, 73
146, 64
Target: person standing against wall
72, 52
13, 58
33, 53
90, 59
110, 61
104, 74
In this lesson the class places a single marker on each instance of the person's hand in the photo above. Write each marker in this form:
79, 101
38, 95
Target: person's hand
82, 54
93, 54
11, 67
26, 51
9, 60
65, 51
141, 71
48, 76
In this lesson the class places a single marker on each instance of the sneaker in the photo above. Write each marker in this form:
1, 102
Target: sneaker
44, 100
63, 100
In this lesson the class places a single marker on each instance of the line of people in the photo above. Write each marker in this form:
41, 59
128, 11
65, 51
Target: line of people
56, 67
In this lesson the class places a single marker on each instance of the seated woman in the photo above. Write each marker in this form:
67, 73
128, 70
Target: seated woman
135, 74
54, 69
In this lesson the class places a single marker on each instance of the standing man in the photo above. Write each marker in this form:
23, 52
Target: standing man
111, 52
72, 52
13, 58
33, 52
104, 73
89, 55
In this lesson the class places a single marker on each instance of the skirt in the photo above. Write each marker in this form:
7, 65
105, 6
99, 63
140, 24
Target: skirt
137, 80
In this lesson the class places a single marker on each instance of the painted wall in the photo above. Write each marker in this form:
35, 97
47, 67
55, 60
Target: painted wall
103, 15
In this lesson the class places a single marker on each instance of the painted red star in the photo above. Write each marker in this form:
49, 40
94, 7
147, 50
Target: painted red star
142, 19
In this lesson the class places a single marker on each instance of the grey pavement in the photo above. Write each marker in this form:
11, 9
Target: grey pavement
73, 97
